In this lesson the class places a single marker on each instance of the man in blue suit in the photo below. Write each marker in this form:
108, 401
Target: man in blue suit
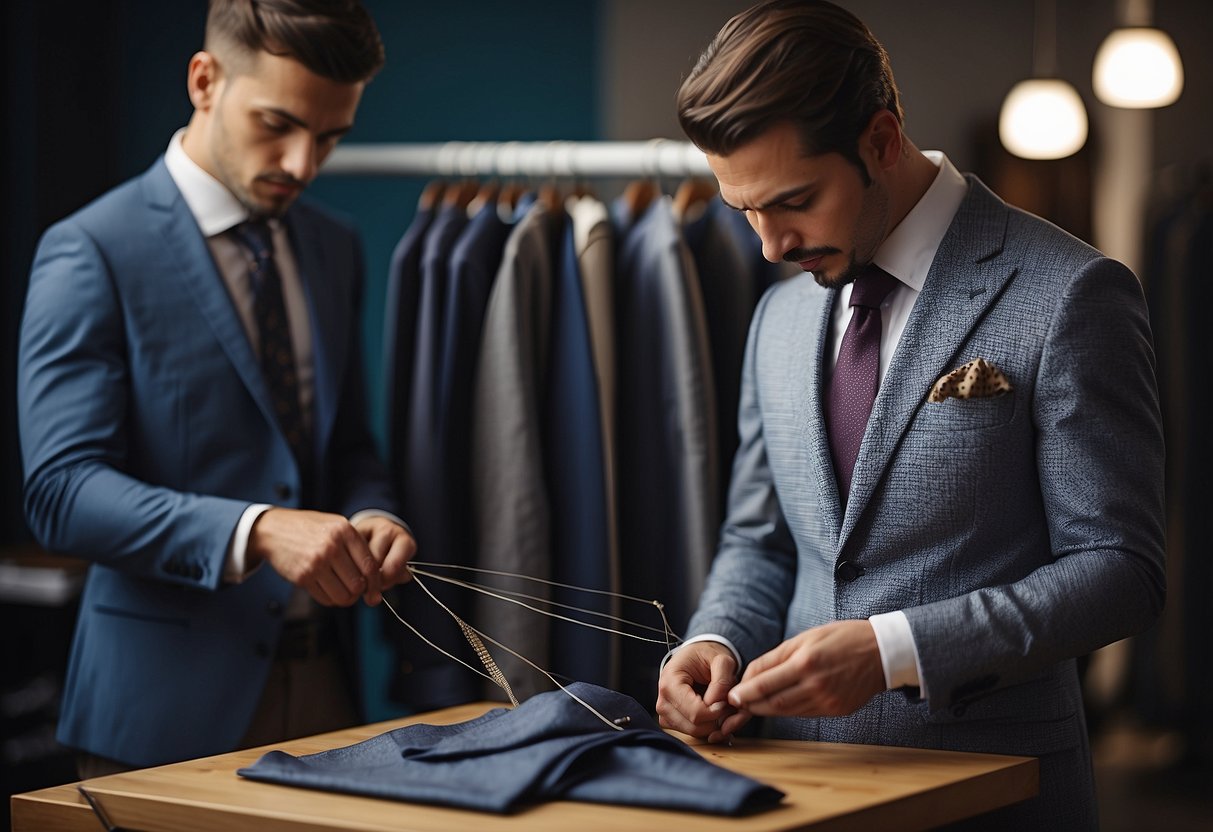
946, 490
191, 410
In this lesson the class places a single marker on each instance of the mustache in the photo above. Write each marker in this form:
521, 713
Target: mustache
282, 179
799, 255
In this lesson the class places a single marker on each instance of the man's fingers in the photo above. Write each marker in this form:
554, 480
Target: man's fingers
395, 566
681, 708
353, 564
755, 691
724, 676
671, 717
319, 590
774, 657
730, 725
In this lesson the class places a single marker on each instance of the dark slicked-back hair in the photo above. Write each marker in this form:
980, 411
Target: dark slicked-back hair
804, 62
335, 39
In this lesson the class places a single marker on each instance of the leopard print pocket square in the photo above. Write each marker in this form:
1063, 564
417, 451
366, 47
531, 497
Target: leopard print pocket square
978, 379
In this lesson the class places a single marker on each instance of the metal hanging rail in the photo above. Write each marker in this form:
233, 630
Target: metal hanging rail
657, 157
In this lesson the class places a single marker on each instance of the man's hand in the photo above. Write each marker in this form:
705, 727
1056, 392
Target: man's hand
322, 553
392, 547
831, 670
692, 691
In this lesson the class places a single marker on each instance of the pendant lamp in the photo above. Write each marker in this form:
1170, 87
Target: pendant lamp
1137, 66
1043, 117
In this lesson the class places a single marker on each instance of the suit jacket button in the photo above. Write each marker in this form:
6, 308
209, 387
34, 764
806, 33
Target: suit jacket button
282, 491
958, 710
262, 650
846, 571
274, 608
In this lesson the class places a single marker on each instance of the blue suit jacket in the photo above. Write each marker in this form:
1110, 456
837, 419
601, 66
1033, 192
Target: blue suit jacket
146, 431
1016, 532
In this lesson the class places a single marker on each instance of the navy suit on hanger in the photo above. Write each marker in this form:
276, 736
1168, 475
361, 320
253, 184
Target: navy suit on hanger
573, 456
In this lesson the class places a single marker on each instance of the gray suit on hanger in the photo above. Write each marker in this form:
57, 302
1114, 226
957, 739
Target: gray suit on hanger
510, 505
1016, 532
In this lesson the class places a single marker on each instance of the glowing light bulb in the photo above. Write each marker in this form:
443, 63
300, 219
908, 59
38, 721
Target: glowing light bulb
1138, 67
1043, 118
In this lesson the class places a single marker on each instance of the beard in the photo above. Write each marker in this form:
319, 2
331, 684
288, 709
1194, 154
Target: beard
225, 158
871, 228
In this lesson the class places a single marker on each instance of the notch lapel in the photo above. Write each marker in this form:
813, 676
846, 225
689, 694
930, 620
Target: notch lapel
965, 277
196, 269
811, 344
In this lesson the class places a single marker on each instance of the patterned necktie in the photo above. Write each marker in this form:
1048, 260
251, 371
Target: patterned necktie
274, 333
856, 376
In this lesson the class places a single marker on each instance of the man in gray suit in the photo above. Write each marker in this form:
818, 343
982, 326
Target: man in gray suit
943, 494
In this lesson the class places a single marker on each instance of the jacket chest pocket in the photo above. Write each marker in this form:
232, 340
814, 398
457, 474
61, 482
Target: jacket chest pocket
955, 416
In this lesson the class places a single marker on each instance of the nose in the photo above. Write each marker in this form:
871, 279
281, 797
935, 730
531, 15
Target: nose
300, 159
777, 238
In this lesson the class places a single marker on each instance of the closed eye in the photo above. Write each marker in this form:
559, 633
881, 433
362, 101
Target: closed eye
274, 125
803, 205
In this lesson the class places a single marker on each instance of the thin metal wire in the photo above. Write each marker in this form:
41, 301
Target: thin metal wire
432, 564
421, 636
503, 683
501, 595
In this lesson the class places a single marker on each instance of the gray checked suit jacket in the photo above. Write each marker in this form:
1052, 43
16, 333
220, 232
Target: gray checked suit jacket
1016, 532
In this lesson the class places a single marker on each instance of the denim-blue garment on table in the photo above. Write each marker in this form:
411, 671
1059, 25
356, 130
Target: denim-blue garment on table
548, 748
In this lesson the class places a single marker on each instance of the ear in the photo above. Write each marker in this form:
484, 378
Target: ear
204, 80
881, 143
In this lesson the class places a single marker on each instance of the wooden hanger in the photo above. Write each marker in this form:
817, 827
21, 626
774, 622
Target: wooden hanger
637, 196
692, 197
549, 195
507, 198
459, 195
430, 195
486, 193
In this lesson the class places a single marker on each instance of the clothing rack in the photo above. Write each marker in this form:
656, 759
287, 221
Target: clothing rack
555, 159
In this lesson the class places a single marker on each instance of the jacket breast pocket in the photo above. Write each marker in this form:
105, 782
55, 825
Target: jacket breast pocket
967, 414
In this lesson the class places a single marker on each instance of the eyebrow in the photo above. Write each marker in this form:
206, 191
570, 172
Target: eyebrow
298, 122
778, 199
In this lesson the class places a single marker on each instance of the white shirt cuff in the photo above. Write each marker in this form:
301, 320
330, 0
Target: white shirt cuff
233, 567
898, 653
704, 637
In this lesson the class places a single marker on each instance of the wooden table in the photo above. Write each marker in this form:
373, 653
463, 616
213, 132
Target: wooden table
829, 786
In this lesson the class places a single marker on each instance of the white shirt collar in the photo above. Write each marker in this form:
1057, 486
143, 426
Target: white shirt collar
910, 248
214, 207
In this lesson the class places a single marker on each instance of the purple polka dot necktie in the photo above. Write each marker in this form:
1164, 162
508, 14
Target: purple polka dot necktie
852, 388
274, 334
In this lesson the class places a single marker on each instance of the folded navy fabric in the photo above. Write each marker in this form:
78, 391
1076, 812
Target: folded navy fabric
548, 748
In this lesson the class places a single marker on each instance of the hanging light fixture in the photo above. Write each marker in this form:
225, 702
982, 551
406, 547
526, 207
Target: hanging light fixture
1138, 66
1043, 117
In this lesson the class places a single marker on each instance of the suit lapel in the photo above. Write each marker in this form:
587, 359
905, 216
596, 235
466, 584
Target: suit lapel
196, 269
811, 344
965, 277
